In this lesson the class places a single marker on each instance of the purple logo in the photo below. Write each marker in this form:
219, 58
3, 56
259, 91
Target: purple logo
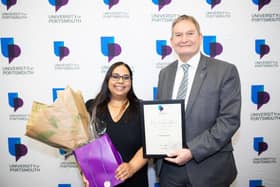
9, 3
261, 48
16, 148
58, 3
161, 3
162, 49
259, 96
211, 47
59, 49
111, 3
9, 49
261, 3
259, 145
14, 101
109, 48
213, 3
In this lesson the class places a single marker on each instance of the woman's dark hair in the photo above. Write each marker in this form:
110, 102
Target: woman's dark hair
104, 96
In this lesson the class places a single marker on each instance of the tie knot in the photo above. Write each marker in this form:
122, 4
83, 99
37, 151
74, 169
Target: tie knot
185, 67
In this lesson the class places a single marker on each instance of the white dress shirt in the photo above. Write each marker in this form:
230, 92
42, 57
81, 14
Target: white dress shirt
193, 62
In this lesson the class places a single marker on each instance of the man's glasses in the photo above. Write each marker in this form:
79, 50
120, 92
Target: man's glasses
116, 77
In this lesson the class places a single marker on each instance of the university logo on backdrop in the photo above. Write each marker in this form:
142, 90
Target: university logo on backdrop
163, 49
164, 17
213, 3
111, 3
261, 3
109, 48
161, 3
261, 48
60, 50
256, 183
9, 49
259, 96
222, 12
211, 47
15, 101
260, 145
58, 3
16, 148
9, 3
67, 17
265, 13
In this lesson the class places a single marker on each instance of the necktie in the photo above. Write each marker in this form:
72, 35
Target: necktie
184, 83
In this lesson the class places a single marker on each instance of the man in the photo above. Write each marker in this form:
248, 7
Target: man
212, 115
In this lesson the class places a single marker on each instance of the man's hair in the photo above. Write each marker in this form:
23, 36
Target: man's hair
186, 17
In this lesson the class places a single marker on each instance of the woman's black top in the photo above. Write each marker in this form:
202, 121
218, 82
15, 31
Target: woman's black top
126, 137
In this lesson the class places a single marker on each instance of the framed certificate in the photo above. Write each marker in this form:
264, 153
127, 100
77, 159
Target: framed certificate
163, 126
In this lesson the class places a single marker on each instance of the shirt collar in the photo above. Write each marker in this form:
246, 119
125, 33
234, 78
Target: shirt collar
193, 62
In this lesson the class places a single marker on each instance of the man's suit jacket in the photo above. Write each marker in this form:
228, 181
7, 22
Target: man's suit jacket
212, 118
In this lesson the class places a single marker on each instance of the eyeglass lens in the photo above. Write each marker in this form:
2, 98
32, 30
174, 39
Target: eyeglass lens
117, 76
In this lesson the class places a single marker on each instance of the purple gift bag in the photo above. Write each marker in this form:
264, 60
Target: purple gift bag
98, 161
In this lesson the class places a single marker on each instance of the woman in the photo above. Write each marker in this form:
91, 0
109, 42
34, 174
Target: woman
118, 106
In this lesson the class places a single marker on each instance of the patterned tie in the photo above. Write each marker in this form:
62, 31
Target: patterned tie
184, 83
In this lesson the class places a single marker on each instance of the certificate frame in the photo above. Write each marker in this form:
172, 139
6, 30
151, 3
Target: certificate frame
163, 127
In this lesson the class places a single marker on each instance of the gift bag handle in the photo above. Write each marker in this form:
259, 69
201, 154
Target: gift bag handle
97, 127
92, 129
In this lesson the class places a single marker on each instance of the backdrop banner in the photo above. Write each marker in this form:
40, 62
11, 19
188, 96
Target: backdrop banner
47, 45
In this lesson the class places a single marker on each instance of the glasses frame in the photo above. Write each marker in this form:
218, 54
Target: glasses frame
117, 77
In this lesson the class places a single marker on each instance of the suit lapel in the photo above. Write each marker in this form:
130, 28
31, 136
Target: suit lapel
171, 79
197, 82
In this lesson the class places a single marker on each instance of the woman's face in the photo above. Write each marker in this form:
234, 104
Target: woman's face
120, 82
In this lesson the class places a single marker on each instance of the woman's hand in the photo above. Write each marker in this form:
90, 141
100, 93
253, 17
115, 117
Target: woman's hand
124, 171
86, 183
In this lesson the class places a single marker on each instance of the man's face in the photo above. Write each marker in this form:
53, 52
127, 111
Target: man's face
185, 39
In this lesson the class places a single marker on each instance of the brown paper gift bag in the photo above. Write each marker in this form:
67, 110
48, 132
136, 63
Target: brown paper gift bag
63, 124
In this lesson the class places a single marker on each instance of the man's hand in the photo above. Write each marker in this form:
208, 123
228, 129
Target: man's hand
179, 157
